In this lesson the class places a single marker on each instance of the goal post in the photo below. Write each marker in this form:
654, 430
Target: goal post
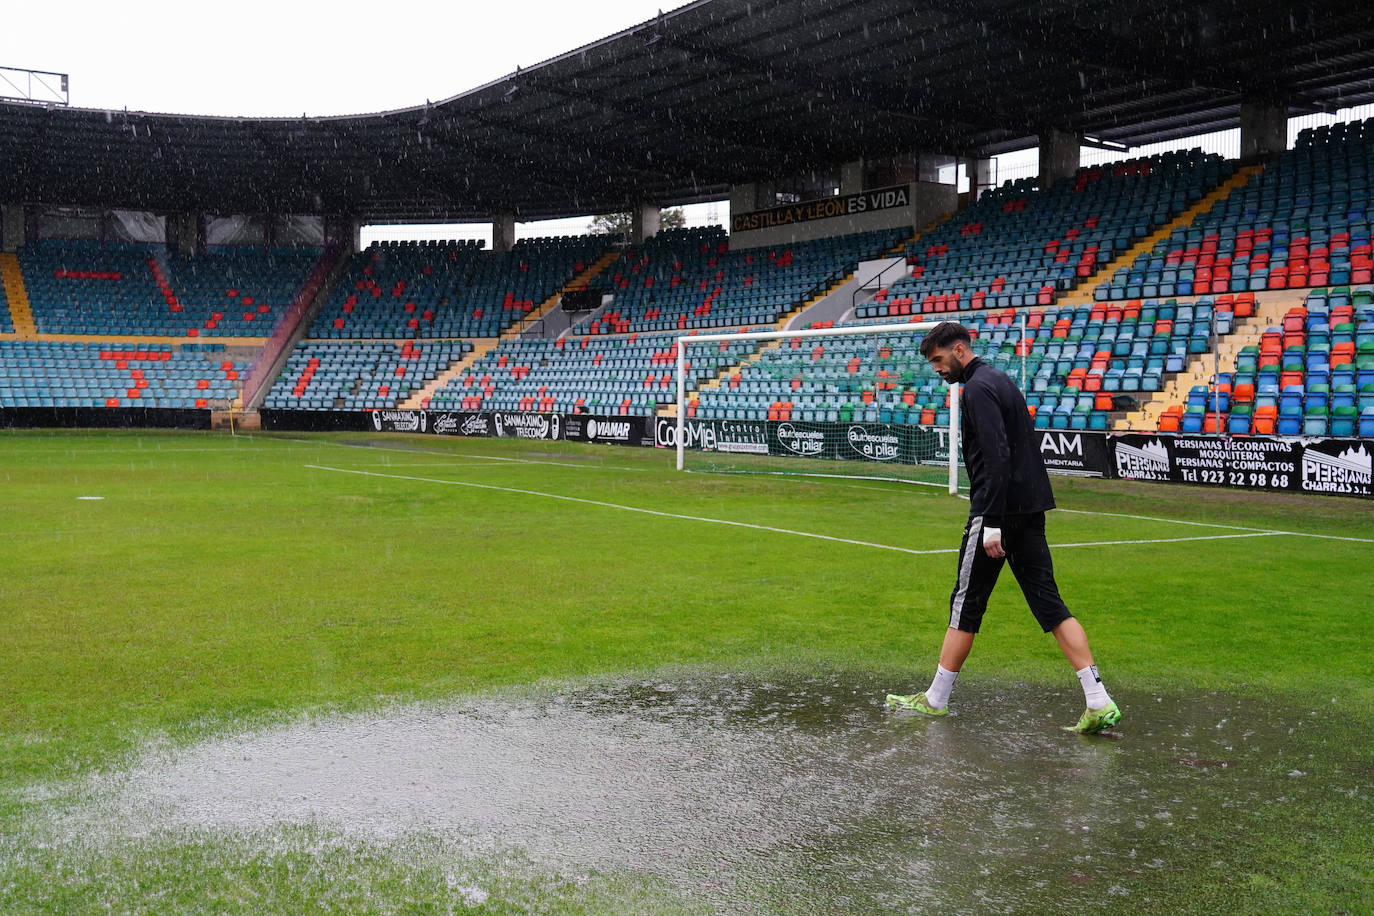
851, 401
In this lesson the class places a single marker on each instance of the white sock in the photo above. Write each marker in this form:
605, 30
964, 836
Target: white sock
937, 695
1093, 691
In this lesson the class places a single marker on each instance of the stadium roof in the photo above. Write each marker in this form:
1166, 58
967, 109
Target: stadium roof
720, 92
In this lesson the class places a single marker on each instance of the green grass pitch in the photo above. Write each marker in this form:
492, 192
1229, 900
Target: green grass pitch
220, 585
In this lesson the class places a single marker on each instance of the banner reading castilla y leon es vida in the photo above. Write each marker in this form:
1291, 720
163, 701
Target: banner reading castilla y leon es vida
823, 208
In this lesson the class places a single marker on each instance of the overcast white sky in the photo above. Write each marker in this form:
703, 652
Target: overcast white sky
284, 59
253, 57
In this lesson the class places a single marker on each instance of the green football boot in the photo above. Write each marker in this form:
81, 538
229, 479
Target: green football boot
1094, 720
915, 702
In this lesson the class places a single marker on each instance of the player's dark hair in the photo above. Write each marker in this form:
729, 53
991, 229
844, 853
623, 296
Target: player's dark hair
945, 334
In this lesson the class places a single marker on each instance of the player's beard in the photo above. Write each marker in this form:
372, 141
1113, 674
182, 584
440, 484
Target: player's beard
956, 373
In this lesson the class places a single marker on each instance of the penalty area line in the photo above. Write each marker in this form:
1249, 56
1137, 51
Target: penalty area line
750, 525
1155, 518
623, 508
1179, 521
1198, 537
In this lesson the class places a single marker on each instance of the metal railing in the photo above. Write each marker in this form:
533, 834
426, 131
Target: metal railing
264, 370
900, 263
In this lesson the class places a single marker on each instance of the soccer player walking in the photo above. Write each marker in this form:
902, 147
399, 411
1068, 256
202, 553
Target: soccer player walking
1009, 493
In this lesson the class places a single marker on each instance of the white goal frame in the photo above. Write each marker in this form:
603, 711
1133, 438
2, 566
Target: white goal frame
847, 331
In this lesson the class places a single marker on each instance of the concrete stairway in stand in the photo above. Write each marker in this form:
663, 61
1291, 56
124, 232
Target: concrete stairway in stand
670, 410
292, 327
1270, 307
525, 327
792, 321
1082, 294
17, 296
481, 346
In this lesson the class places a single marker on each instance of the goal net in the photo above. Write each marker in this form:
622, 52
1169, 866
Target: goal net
853, 401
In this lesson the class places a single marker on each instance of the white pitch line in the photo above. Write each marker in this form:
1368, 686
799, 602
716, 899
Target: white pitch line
623, 508
1199, 537
1179, 521
807, 475
750, 525
962, 495
418, 465
1172, 521
1326, 537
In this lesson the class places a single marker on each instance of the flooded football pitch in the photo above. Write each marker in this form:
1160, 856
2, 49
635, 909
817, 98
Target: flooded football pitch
755, 794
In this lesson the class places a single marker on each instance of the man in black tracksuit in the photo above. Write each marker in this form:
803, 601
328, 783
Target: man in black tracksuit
1009, 493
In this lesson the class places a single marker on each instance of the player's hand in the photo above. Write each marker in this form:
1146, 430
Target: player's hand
992, 542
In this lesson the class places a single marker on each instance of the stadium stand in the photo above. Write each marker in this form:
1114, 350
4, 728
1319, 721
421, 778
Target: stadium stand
1093, 354
86, 288
1184, 241
1019, 245
359, 375
1303, 221
404, 316
848, 379
1310, 374
449, 289
691, 279
620, 375
60, 374
627, 373
1078, 360
680, 280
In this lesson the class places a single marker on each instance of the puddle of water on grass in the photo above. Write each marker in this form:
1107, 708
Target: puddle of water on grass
790, 795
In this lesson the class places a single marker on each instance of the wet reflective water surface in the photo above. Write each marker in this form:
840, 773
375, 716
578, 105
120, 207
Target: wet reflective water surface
745, 794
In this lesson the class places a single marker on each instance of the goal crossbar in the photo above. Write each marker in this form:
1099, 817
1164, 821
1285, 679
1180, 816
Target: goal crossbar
686, 340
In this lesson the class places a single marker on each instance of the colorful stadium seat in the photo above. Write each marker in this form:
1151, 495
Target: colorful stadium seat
689, 279
359, 375
46, 374
86, 288
621, 375
447, 290
1301, 222
1022, 246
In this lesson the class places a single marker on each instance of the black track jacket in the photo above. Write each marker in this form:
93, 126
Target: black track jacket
1006, 473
